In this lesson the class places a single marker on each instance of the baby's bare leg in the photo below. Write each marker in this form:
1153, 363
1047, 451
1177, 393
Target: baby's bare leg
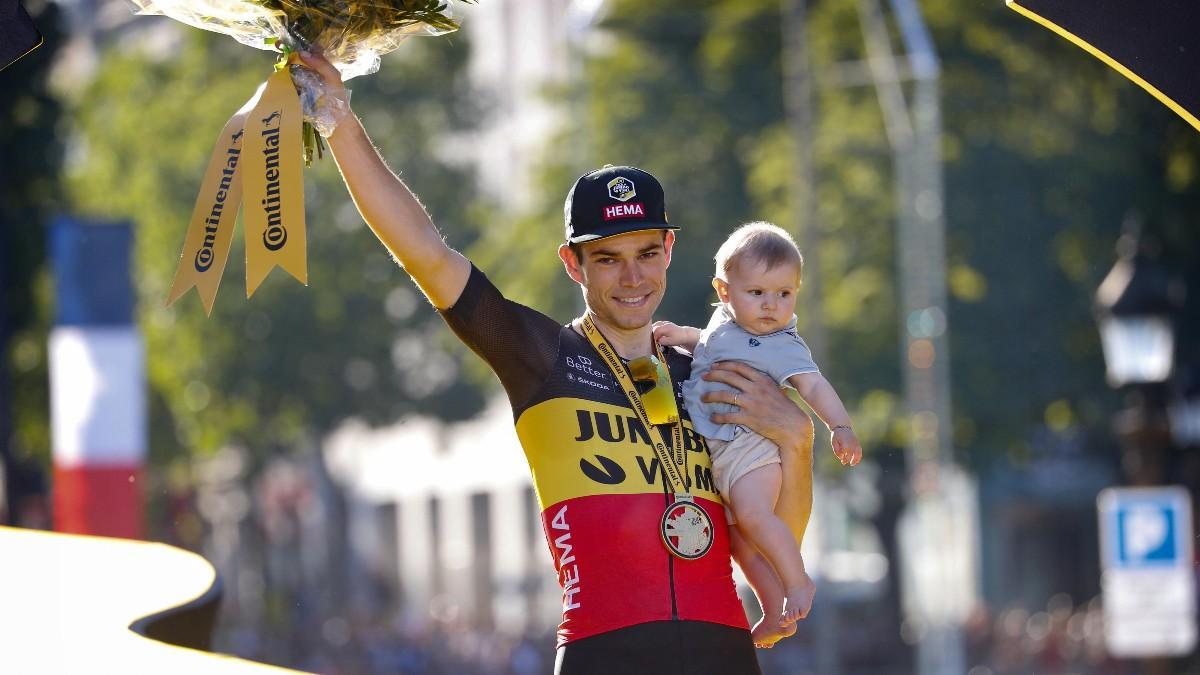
753, 499
767, 588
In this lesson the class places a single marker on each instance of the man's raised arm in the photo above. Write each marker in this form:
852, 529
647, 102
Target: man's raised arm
389, 208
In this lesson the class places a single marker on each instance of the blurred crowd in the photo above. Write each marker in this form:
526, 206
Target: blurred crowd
362, 646
1061, 639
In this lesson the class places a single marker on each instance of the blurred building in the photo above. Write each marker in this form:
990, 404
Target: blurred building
518, 49
464, 540
91, 24
1040, 535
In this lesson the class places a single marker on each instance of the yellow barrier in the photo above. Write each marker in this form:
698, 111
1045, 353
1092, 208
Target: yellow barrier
78, 605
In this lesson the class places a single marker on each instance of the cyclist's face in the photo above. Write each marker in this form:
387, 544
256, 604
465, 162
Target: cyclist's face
623, 277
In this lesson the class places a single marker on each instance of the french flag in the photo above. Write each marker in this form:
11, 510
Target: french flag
97, 383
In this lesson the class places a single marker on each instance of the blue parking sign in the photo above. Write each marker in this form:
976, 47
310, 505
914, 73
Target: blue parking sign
1141, 527
1148, 586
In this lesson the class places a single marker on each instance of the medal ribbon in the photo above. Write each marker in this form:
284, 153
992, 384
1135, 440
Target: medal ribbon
671, 461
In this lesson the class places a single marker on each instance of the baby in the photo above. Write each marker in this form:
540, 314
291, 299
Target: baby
757, 278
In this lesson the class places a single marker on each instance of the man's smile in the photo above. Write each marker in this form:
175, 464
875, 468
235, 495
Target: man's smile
635, 301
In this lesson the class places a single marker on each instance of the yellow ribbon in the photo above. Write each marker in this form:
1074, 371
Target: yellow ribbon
254, 166
274, 187
210, 231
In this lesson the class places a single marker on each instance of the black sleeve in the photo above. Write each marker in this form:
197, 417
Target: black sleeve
519, 343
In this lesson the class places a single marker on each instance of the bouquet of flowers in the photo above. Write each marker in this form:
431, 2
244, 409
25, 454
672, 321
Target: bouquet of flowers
282, 122
352, 33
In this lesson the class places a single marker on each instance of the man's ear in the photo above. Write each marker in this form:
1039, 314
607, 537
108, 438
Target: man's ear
571, 263
669, 245
721, 288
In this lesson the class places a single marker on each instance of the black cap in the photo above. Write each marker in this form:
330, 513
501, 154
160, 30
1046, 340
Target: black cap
614, 200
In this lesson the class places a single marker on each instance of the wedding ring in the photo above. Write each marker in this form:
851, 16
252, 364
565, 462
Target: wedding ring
735, 396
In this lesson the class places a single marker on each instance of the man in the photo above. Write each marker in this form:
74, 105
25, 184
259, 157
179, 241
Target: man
635, 527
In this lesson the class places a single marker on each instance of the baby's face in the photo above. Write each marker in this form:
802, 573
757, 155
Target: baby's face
761, 300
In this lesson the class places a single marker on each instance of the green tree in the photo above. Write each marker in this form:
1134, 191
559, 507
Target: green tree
1047, 150
291, 361
30, 193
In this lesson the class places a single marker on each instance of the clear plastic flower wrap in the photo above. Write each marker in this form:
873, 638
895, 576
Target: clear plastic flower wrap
353, 34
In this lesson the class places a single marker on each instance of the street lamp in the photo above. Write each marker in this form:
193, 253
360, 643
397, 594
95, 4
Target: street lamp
1135, 308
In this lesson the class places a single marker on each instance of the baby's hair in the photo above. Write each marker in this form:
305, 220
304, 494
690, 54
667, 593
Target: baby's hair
760, 241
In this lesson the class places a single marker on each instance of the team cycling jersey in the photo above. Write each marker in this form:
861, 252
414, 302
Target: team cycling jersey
600, 486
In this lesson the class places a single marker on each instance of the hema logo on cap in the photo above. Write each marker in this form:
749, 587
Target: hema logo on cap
621, 189
624, 211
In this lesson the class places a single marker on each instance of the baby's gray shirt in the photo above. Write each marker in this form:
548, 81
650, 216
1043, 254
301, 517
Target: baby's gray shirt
780, 354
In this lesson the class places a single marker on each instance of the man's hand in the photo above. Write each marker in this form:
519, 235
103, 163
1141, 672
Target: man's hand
668, 334
846, 446
314, 60
323, 96
764, 407
761, 404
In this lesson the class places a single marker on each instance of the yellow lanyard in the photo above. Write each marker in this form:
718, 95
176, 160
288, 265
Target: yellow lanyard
671, 461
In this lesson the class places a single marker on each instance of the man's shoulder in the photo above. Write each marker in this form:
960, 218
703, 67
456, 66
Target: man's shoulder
482, 301
677, 355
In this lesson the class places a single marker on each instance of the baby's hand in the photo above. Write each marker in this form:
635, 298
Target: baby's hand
846, 446
668, 334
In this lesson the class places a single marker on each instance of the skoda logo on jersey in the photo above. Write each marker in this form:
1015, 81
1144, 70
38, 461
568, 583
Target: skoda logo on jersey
754, 342
621, 189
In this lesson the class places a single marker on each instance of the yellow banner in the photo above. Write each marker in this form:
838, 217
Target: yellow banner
210, 231
273, 197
